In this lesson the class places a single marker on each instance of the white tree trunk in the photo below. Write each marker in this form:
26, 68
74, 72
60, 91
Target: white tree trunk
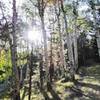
75, 45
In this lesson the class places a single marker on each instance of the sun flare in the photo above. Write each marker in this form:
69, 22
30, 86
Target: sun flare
34, 36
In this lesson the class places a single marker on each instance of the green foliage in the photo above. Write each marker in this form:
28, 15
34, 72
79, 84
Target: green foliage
83, 24
68, 7
22, 58
5, 64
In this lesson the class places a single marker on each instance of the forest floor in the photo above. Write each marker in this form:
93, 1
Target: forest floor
87, 87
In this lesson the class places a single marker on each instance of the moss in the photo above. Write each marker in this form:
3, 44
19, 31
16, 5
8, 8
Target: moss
49, 94
66, 84
77, 77
60, 89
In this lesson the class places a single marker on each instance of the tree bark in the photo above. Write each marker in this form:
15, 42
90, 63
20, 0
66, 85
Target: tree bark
41, 14
51, 61
16, 91
41, 71
60, 37
97, 29
30, 75
69, 45
75, 37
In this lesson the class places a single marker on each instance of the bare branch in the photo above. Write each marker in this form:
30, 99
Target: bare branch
33, 3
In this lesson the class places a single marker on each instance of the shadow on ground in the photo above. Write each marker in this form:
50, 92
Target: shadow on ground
89, 87
53, 93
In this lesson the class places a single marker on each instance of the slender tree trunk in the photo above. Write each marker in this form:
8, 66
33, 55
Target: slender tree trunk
51, 62
75, 53
61, 43
30, 83
41, 8
30, 75
75, 38
69, 45
51, 68
45, 46
21, 77
60, 37
41, 71
27, 70
97, 29
16, 92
